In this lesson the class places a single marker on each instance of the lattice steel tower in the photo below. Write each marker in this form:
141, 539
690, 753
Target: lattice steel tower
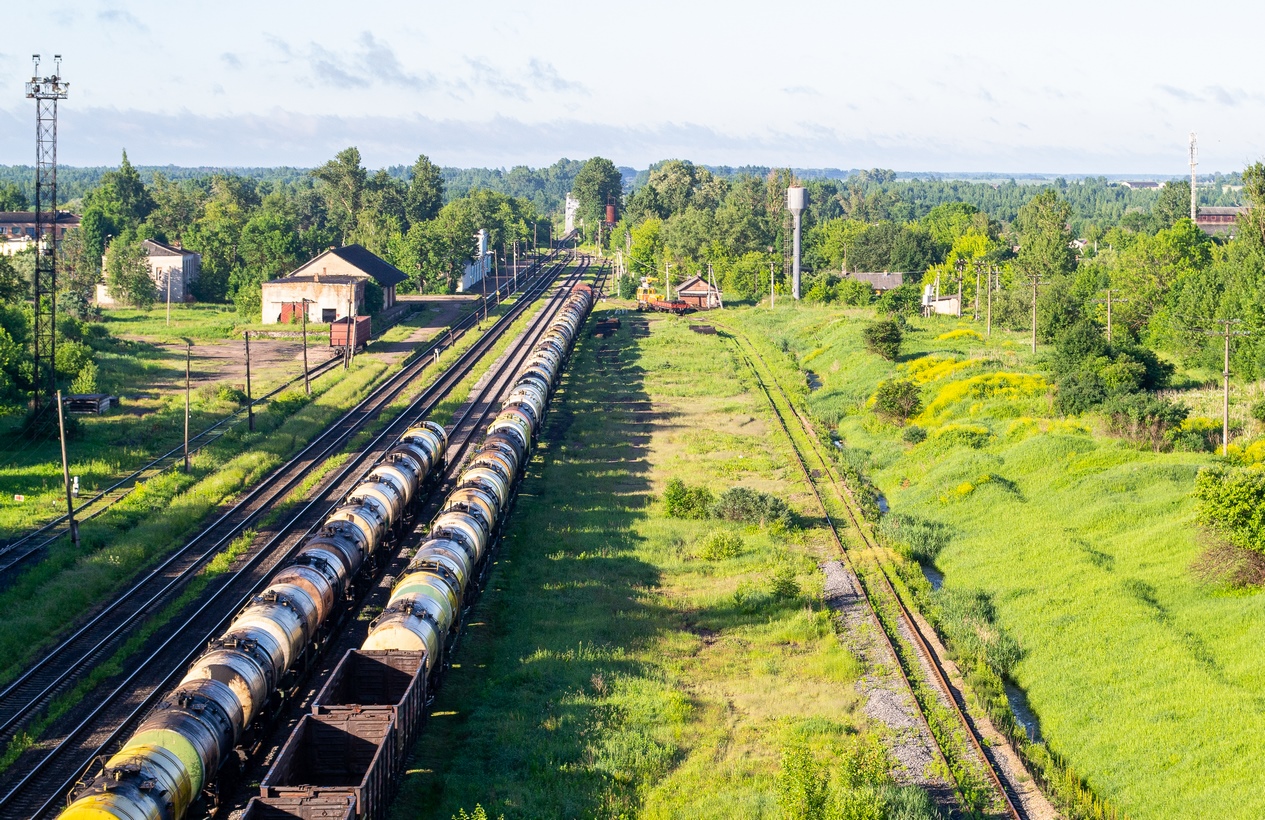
46, 92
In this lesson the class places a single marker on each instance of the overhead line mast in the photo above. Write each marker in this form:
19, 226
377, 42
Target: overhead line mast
1194, 160
46, 92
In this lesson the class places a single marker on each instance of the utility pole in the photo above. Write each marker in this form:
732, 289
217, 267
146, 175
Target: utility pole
250, 401
188, 354
1225, 332
46, 92
1194, 161
65, 471
960, 267
979, 268
351, 325
1109, 301
992, 272
1036, 282
307, 384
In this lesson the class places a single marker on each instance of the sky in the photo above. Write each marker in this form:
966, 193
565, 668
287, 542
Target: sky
972, 86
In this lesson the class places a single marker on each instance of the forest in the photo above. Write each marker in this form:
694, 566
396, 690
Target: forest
254, 224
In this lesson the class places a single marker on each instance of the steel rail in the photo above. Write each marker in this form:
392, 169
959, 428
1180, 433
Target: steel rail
16, 712
167, 459
933, 661
427, 400
10, 565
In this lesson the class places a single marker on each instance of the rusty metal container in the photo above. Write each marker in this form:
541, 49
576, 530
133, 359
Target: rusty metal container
301, 808
340, 330
390, 680
352, 754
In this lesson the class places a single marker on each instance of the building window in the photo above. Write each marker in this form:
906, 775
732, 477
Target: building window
328, 315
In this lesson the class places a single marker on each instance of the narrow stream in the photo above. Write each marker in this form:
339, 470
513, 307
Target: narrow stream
1023, 712
934, 576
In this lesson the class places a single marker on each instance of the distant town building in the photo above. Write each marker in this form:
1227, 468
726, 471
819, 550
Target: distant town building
329, 284
698, 294
169, 265
882, 281
17, 229
570, 210
1219, 220
1142, 185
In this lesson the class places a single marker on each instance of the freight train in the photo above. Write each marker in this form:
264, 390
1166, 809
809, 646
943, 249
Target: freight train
165, 766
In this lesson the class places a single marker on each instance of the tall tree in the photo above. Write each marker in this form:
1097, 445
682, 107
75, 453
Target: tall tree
345, 180
596, 183
78, 271
127, 272
1044, 237
12, 197
425, 191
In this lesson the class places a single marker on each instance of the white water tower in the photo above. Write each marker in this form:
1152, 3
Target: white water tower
796, 199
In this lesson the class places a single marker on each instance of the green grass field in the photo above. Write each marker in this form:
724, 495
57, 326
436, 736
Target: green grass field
1148, 681
621, 664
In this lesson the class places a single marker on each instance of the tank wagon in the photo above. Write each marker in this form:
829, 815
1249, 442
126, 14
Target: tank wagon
166, 765
377, 693
239, 680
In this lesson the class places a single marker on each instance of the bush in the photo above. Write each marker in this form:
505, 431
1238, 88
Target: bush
1079, 392
86, 381
751, 507
1145, 418
1232, 502
801, 785
783, 583
854, 292
883, 338
230, 394
1258, 411
905, 300
1197, 435
897, 399
914, 538
914, 434
683, 501
721, 546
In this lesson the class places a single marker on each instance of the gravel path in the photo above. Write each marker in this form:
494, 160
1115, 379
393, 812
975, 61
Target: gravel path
887, 700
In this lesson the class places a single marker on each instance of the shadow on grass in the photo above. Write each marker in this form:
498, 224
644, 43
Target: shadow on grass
529, 721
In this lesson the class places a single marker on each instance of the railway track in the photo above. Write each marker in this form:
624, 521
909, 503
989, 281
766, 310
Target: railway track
43, 779
18, 552
145, 696
465, 434
1009, 802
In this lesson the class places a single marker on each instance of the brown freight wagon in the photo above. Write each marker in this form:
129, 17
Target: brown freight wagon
340, 331
389, 680
335, 807
333, 756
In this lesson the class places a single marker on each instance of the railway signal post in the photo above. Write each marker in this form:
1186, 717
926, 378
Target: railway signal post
250, 401
188, 353
65, 471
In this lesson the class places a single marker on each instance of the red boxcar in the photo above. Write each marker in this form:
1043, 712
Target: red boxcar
338, 332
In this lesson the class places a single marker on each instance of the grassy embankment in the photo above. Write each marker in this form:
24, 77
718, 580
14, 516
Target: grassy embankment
622, 662
1075, 545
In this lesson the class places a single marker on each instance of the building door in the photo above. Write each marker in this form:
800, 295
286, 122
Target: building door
328, 315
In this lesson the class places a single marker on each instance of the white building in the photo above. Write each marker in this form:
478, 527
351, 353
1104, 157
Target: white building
571, 209
172, 269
